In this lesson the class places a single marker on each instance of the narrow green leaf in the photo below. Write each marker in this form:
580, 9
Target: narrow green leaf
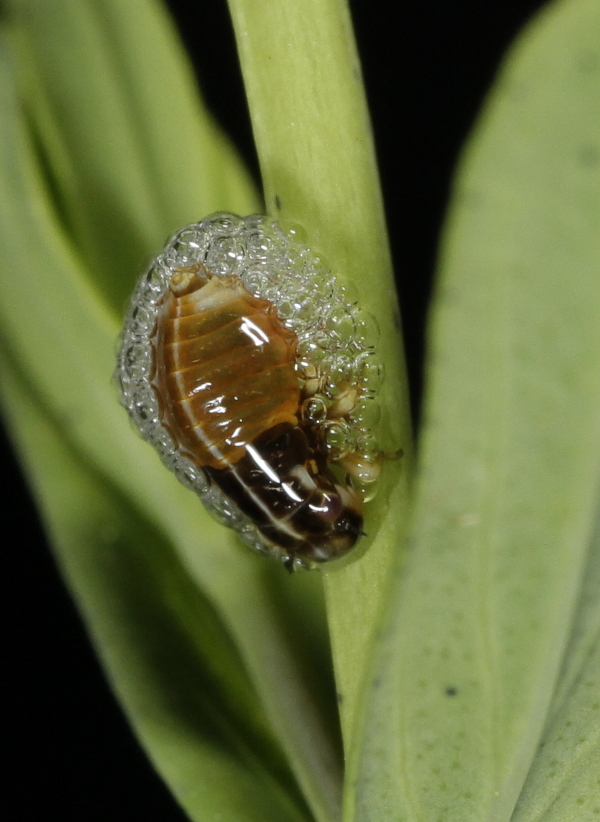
510, 454
166, 652
132, 153
63, 335
315, 149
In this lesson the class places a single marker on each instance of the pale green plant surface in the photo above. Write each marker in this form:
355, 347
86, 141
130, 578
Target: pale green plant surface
507, 488
564, 780
193, 709
62, 197
313, 139
220, 660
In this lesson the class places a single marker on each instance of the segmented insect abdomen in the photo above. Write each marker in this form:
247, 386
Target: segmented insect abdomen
225, 369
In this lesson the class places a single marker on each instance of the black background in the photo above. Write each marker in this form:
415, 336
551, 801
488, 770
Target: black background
426, 69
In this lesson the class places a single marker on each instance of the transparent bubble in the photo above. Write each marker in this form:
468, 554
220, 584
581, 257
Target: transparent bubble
306, 347
319, 358
367, 329
189, 475
342, 370
137, 361
294, 232
253, 222
368, 446
341, 324
155, 280
142, 320
295, 258
256, 276
258, 246
320, 267
249, 534
348, 294
186, 248
366, 414
147, 296
223, 509
339, 439
314, 410
275, 229
321, 284
322, 340
307, 313
146, 404
124, 385
163, 441
287, 309
223, 223
370, 370
367, 488
224, 256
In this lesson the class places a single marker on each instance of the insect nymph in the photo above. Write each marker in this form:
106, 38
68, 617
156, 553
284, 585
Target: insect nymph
243, 365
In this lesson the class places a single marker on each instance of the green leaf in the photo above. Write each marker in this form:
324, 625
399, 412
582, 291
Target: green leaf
564, 780
168, 656
61, 280
314, 144
507, 492
131, 154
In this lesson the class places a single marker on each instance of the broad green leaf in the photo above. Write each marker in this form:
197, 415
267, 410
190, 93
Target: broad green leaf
61, 331
166, 652
507, 490
564, 780
314, 144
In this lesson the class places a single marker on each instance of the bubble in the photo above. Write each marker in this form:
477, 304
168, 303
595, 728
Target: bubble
320, 359
295, 260
348, 293
189, 475
163, 441
186, 247
368, 446
294, 232
314, 410
222, 508
124, 384
287, 309
253, 222
142, 320
341, 324
339, 439
367, 488
223, 223
250, 535
342, 371
155, 280
366, 414
137, 362
258, 246
367, 329
146, 404
224, 256
370, 371
256, 277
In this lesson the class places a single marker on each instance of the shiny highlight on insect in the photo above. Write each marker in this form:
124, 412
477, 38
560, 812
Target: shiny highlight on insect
253, 373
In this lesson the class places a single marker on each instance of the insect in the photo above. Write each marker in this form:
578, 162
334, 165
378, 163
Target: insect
243, 365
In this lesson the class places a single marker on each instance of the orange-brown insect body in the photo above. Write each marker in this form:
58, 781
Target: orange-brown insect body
225, 365
225, 374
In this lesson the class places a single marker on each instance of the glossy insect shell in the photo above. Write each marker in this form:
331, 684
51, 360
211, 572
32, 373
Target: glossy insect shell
225, 375
225, 365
